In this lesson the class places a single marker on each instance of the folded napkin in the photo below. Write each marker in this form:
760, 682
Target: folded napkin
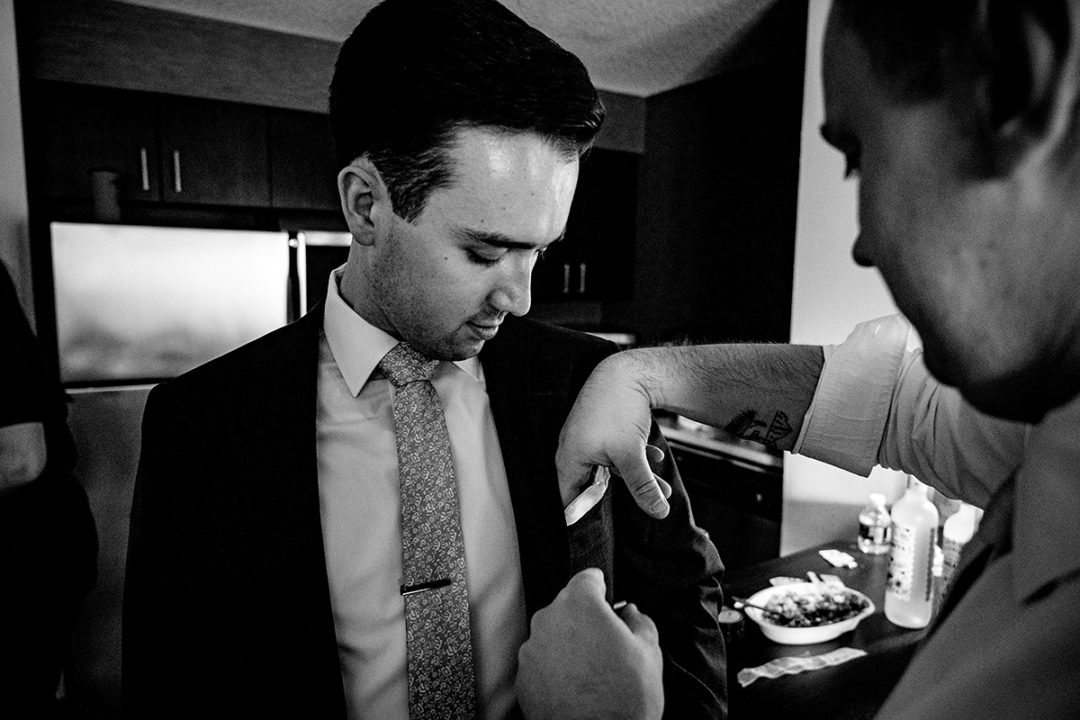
795, 665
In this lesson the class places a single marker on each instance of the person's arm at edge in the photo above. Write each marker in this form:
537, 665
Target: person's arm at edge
756, 392
32, 407
22, 454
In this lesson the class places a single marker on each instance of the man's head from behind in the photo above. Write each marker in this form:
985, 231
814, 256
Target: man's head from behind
459, 128
961, 121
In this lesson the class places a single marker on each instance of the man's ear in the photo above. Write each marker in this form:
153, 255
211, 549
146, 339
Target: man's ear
1030, 55
365, 201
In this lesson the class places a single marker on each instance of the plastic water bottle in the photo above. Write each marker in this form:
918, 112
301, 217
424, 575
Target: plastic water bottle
909, 594
875, 527
958, 530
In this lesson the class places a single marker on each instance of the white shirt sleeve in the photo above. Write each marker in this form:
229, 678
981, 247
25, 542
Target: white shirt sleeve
877, 404
846, 419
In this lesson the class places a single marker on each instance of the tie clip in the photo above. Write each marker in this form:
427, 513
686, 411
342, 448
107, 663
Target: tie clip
421, 587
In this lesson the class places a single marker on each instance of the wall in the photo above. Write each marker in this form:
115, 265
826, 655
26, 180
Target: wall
830, 295
716, 204
14, 244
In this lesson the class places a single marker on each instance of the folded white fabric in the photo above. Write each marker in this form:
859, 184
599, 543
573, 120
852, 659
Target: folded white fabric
589, 497
795, 665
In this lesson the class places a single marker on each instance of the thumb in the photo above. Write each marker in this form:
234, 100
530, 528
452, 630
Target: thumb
639, 623
589, 581
644, 486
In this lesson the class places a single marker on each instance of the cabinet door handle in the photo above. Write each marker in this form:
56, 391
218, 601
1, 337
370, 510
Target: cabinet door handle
566, 279
144, 167
178, 187
581, 278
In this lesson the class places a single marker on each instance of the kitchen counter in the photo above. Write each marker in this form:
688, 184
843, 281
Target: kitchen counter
715, 440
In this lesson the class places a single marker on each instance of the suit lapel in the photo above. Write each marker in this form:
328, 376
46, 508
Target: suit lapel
527, 386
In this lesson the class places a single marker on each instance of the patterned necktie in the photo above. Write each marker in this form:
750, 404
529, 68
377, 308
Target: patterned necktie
438, 637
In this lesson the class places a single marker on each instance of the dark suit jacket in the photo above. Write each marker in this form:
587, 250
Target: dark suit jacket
227, 606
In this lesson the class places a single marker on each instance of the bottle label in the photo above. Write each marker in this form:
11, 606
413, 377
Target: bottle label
902, 562
875, 534
951, 553
908, 572
928, 579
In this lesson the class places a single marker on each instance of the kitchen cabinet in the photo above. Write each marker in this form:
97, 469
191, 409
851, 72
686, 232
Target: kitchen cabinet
191, 155
213, 152
74, 129
165, 148
303, 163
594, 261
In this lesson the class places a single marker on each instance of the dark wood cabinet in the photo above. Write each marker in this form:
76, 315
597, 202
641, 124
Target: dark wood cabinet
213, 153
165, 148
303, 164
595, 260
184, 160
75, 129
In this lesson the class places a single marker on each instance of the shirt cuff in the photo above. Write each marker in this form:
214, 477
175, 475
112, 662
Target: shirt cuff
589, 497
846, 420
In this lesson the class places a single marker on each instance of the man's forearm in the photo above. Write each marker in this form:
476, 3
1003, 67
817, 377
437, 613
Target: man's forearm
757, 392
753, 391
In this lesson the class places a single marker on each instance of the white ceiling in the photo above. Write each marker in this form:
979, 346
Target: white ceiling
637, 47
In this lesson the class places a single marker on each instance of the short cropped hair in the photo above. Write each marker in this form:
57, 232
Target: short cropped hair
913, 43
414, 72
908, 42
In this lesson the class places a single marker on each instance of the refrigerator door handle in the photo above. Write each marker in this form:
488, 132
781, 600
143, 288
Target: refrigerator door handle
292, 283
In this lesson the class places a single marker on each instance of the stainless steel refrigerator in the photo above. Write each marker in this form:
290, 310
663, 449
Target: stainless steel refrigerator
136, 305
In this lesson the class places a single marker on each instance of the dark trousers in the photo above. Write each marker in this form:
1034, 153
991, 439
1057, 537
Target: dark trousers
48, 564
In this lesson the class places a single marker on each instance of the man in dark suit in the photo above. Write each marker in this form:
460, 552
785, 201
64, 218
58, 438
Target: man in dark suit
265, 563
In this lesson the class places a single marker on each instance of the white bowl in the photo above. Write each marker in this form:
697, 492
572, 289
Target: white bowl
802, 635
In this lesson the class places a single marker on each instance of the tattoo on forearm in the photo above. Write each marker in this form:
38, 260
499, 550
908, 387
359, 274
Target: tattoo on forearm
745, 425
779, 429
748, 427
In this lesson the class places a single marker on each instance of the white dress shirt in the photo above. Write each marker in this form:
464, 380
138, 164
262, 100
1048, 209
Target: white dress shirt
873, 384
359, 495
1010, 645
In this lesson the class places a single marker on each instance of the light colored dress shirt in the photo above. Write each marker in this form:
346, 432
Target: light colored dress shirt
1010, 647
360, 502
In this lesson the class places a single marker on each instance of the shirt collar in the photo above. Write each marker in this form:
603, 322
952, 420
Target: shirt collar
358, 346
1046, 534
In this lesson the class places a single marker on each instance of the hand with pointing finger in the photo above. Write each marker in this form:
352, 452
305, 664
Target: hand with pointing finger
585, 660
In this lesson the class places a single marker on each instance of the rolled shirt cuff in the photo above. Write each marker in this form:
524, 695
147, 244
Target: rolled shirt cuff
846, 419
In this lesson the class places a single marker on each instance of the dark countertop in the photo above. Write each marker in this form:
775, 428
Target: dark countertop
851, 690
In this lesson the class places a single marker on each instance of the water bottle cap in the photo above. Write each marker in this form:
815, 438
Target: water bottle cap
877, 498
